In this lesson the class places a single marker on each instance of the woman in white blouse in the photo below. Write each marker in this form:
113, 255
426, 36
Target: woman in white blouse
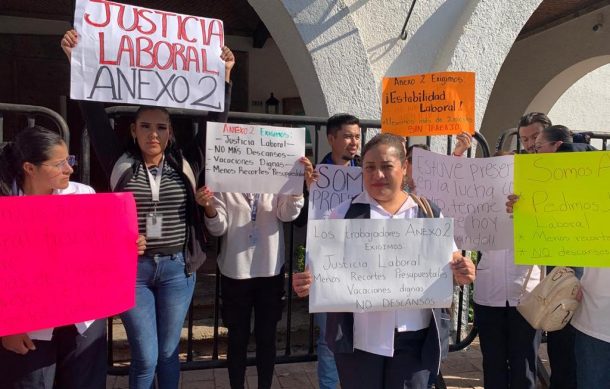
251, 263
72, 356
390, 349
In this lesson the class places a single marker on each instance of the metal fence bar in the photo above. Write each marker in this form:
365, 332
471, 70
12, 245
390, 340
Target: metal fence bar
287, 352
32, 111
506, 137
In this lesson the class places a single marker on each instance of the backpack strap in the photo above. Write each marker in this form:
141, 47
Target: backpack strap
423, 204
358, 211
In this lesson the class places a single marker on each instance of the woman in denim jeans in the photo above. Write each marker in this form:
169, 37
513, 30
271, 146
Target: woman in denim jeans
163, 180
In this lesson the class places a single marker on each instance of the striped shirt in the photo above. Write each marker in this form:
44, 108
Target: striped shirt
171, 206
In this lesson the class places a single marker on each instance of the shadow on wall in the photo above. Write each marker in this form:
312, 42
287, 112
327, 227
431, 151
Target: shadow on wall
421, 51
325, 22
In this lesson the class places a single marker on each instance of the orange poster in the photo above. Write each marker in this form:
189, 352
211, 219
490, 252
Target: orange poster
428, 104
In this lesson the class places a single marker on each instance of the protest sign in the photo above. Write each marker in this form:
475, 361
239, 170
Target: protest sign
428, 104
65, 259
561, 217
335, 185
254, 159
379, 264
473, 191
136, 55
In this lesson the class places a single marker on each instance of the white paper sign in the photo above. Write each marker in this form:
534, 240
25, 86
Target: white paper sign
335, 185
379, 265
473, 191
136, 55
254, 159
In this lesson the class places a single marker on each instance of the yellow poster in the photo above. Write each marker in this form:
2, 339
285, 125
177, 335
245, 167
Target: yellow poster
562, 216
428, 104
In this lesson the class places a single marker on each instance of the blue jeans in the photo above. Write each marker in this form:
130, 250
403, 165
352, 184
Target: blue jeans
592, 362
328, 378
163, 295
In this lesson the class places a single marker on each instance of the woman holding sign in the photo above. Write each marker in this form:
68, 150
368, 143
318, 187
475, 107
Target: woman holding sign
251, 263
73, 356
389, 349
163, 179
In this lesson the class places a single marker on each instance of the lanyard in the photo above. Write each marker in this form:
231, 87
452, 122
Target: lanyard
155, 183
253, 201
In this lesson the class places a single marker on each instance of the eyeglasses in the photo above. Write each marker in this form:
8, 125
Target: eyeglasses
351, 137
539, 146
70, 161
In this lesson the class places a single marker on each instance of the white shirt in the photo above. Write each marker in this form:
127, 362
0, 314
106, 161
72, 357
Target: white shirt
250, 248
499, 280
374, 331
593, 314
73, 188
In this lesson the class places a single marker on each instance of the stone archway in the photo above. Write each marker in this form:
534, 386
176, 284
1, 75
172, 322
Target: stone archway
540, 68
338, 50
558, 85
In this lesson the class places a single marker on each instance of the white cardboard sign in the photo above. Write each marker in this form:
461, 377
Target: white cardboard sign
473, 191
365, 265
335, 185
254, 159
136, 55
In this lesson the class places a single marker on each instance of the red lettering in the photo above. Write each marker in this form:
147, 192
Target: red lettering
179, 53
103, 60
204, 62
182, 28
191, 56
144, 49
153, 27
164, 16
106, 8
121, 19
126, 46
170, 55
215, 29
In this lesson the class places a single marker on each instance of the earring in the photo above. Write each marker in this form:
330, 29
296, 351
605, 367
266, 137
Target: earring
134, 140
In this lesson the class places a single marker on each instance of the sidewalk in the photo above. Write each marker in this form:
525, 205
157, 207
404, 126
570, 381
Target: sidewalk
461, 370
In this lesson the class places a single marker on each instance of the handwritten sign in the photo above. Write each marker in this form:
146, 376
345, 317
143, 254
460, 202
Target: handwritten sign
65, 259
335, 185
255, 159
473, 191
428, 104
379, 265
561, 217
136, 55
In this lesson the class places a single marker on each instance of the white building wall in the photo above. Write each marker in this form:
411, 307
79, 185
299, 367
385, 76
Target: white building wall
267, 72
338, 50
585, 105
540, 68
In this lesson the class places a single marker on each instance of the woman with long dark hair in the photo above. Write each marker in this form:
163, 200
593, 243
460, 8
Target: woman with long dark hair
73, 356
163, 179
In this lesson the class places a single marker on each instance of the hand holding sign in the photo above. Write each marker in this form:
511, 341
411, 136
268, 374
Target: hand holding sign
137, 55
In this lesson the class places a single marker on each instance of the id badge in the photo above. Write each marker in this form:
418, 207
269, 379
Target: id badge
252, 237
153, 225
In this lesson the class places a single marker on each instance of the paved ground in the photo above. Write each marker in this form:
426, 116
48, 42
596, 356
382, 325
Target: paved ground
461, 370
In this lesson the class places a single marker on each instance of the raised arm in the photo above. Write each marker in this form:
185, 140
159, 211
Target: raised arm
103, 138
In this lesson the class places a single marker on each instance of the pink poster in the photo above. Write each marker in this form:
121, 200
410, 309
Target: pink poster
65, 259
